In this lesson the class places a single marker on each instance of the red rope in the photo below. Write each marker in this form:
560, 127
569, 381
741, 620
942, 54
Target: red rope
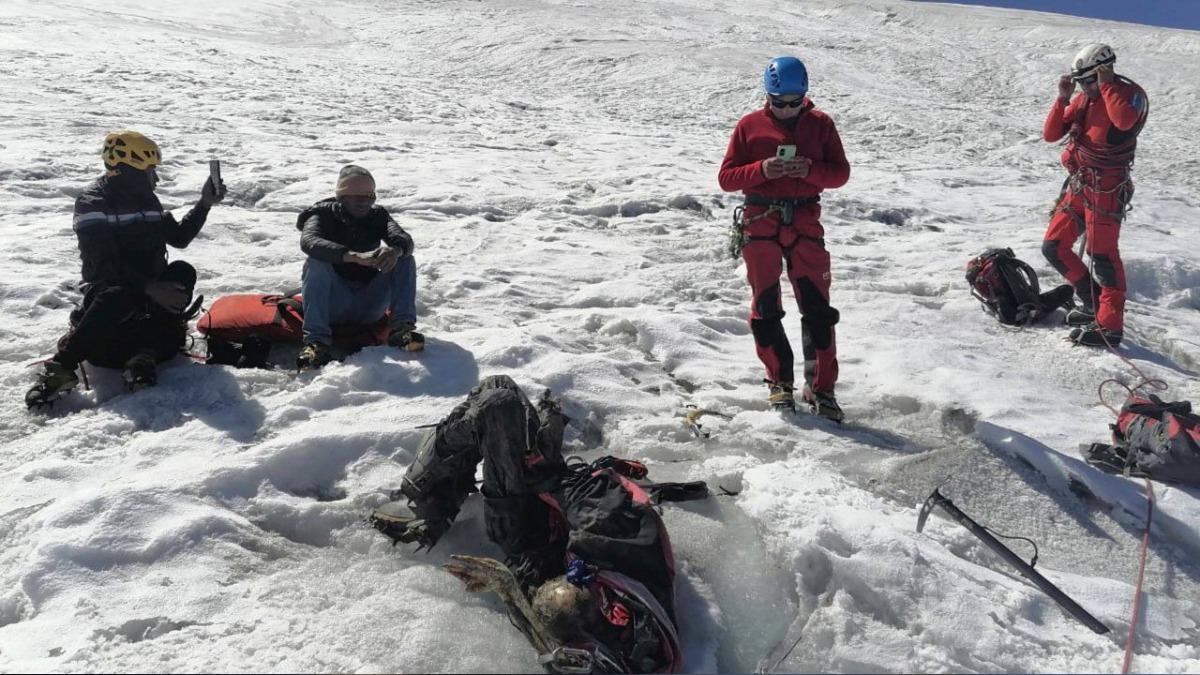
1153, 383
1146, 380
1137, 593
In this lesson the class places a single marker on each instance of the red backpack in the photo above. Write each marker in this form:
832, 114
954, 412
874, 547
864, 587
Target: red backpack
238, 324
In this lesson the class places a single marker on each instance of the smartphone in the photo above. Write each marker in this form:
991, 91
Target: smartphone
214, 173
786, 152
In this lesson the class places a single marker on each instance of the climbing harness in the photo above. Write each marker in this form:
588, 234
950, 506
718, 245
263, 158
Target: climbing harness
786, 208
1086, 183
1093, 160
737, 231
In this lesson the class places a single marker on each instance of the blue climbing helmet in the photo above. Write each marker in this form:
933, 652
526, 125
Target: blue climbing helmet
785, 75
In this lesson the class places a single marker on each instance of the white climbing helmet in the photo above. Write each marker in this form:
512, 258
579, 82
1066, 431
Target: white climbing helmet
1091, 57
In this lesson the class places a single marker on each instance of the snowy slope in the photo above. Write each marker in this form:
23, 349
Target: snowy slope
556, 163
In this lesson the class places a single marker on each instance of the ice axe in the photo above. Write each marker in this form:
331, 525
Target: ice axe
936, 498
691, 419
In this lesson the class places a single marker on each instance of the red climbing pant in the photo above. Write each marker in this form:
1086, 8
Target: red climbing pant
1093, 204
801, 250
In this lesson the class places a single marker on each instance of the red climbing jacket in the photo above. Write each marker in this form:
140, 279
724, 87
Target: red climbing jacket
1103, 130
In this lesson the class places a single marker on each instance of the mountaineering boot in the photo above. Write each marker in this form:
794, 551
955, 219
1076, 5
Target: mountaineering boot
141, 371
407, 338
313, 355
1060, 296
1095, 336
399, 522
1080, 316
55, 380
781, 396
823, 403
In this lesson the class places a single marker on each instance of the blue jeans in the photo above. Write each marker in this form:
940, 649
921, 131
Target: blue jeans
330, 299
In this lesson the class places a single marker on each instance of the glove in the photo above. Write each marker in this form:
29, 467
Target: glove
210, 194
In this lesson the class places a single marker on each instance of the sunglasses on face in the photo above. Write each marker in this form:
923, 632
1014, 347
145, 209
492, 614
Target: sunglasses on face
780, 103
1086, 80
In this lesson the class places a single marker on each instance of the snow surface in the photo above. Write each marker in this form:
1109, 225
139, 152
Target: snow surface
555, 161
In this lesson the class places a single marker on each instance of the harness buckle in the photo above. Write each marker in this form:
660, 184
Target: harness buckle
569, 660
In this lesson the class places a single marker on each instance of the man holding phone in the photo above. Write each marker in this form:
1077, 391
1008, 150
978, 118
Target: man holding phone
135, 305
1103, 123
359, 267
781, 158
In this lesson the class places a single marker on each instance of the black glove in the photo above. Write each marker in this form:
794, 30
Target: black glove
210, 194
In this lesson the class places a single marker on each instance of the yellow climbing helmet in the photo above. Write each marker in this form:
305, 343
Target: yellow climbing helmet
131, 148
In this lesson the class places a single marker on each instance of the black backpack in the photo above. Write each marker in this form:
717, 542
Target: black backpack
1152, 438
252, 352
1008, 288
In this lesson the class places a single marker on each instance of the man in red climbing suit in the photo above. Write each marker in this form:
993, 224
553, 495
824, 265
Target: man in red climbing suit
1102, 123
781, 157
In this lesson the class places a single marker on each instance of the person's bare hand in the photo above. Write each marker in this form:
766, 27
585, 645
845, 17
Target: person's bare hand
1105, 75
1066, 87
797, 168
773, 167
386, 258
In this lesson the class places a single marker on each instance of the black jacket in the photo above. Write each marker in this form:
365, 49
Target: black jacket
328, 233
124, 233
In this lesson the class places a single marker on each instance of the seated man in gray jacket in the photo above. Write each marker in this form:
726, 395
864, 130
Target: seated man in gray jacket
359, 267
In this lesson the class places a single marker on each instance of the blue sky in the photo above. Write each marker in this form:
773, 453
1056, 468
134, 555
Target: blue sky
1170, 13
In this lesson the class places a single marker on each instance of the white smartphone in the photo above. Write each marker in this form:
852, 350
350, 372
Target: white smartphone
214, 173
786, 152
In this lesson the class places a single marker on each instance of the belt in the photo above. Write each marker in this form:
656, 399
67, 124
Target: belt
762, 200
786, 207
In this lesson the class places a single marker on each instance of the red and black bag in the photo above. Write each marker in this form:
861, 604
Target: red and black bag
238, 327
233, 318
1008, 288
1153, 439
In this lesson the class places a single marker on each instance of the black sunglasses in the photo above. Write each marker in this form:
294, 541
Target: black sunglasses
1086, 80
780, 103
